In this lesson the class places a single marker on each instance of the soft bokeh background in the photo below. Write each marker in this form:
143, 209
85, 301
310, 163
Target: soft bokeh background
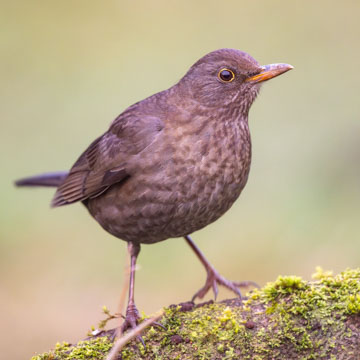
69, 67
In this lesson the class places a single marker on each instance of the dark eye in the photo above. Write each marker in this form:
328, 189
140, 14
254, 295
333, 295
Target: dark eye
226, 75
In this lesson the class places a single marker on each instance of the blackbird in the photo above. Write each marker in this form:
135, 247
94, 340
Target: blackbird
172, 163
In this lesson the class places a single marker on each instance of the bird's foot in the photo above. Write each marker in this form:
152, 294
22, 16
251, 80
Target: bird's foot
214, 279
131, 318
131, 321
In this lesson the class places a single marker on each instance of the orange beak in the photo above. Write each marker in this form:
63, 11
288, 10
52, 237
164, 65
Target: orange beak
269, 72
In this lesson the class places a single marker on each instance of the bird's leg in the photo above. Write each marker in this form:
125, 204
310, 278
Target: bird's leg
213, 277
132, 314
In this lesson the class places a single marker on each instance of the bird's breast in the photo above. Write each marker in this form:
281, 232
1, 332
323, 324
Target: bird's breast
209, 168
185, 180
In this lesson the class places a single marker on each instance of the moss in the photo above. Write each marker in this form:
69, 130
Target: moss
94, 349
288, 318
318, 305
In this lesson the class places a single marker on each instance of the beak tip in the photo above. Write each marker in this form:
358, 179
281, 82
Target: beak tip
270, 71
283, 67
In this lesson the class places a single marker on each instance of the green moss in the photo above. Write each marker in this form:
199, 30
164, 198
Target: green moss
304, 317
284, 285
315, 305
95, 349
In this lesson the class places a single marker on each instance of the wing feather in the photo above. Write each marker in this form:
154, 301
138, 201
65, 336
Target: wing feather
104, 162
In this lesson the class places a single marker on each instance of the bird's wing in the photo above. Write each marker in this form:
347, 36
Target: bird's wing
104, 162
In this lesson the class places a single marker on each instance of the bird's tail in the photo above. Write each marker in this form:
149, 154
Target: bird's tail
53, 179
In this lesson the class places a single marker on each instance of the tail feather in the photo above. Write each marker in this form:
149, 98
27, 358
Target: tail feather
53, 179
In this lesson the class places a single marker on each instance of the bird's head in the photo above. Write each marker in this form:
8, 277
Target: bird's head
228, 76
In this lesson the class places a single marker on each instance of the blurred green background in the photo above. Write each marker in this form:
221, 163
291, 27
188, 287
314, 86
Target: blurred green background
69, 67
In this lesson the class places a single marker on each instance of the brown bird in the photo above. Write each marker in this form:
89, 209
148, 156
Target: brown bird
172, 163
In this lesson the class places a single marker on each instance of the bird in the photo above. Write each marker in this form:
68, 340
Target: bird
171, 164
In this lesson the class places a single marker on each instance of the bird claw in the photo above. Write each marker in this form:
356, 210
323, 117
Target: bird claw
155, 323
131, 320
214, 279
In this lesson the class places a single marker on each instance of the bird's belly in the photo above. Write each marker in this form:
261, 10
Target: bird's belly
204, 201
152, 209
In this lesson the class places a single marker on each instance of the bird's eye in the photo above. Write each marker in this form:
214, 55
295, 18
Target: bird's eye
226, 75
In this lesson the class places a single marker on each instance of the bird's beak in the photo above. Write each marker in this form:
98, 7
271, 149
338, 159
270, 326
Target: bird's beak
269, 72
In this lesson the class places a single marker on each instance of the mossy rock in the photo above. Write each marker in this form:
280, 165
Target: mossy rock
287, 319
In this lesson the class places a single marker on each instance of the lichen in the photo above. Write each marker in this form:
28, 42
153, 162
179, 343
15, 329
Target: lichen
288, 318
